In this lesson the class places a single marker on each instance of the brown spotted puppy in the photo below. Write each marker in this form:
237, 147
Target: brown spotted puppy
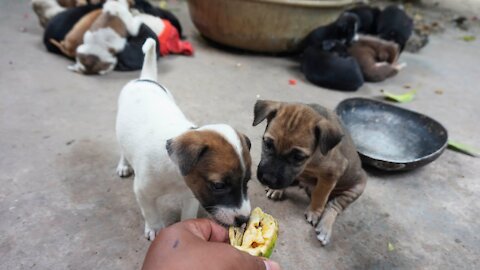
161, 147
74, 38
307, 143
377, 58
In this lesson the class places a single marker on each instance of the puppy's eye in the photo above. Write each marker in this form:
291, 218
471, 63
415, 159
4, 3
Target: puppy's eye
218, 186
299, 157
268, 144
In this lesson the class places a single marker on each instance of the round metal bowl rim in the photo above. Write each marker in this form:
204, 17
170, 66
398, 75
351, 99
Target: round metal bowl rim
440, 149
308, 3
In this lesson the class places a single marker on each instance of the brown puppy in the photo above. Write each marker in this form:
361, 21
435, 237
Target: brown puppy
75, 37
307, 143
377, 58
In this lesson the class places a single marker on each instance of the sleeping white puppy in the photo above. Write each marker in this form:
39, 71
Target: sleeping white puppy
159, 144
106, 37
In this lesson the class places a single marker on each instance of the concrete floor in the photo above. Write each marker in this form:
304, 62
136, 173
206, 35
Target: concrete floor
63, 207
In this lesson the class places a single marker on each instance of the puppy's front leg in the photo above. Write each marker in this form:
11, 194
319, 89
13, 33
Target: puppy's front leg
147, 202
319, 199
123, 168
335, 207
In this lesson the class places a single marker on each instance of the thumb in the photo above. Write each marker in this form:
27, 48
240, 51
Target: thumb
271, 265
256, 263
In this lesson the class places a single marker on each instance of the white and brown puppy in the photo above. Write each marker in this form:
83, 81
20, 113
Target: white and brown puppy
159, 144
308, 144
74, 38
46, 9
106, 37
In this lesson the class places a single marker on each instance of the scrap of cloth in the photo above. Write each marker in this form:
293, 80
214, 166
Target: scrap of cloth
170, 42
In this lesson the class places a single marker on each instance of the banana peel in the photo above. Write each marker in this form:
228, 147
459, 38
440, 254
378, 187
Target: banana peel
259, 236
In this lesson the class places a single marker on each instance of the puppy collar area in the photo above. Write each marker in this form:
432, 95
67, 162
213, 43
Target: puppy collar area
154, 82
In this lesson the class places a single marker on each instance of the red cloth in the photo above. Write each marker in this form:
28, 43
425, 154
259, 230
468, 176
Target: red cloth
170, 41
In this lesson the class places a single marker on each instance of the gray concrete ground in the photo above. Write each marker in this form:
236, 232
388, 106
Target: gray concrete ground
63, 207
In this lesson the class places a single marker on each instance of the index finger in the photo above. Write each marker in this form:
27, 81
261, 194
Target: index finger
206, 229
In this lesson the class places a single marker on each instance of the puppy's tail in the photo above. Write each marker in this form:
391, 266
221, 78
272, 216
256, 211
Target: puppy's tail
149, 69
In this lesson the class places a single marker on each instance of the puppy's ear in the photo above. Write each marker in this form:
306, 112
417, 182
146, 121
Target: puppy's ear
247, 140
327, 136
264, 109
185, 152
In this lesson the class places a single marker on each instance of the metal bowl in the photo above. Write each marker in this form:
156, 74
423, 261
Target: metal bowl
391, 138
271, 26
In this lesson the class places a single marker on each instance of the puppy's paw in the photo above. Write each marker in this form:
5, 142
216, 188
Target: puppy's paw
313, 216
381, 64
324, 232
275, 194
124, 170
324, 228
400, 66
151, 233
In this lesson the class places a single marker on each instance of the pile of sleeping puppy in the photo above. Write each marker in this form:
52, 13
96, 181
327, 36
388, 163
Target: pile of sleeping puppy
363, 44
103, 35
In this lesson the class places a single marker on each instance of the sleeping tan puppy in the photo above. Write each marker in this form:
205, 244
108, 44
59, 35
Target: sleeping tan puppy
377, 58
74, 38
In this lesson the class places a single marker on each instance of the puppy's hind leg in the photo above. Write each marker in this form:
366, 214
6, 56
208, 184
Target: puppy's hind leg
148, 205
379, 72
124, 169
335, 207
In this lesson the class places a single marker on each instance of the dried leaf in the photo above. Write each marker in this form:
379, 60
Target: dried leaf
469, 38
390, 247
401, 98
463, 148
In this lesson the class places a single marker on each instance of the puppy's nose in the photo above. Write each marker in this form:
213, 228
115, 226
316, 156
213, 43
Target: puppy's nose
268, 179
240, 220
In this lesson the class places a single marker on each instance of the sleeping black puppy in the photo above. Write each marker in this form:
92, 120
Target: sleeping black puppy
329, 65
395, 25
368, 18
58, 27
131, 58
145, 7
343, 29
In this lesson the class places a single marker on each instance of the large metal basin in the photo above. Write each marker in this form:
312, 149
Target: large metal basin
392, 138
271, 26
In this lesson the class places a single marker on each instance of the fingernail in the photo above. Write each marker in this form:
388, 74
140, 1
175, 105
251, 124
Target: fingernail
271, 265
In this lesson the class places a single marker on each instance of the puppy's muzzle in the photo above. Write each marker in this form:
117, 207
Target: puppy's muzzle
240, 220
270, 180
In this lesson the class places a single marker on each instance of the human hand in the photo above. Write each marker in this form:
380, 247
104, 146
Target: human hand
199, 244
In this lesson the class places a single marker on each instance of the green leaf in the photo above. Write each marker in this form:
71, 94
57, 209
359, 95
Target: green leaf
463, 148
390, 247
469, 38
401, 98
163, 4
